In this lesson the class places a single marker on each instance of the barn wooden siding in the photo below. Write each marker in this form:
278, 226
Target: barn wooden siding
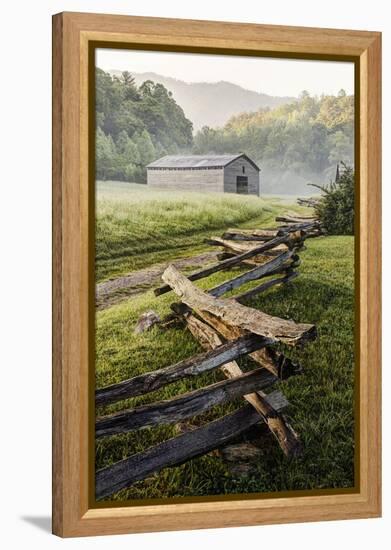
234, 169
204, 180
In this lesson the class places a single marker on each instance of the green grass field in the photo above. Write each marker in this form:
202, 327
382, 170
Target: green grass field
321, 400
137, 227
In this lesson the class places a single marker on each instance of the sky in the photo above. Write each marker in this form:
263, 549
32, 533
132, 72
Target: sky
278, 77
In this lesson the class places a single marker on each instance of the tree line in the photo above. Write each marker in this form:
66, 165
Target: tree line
293, 144
135, 125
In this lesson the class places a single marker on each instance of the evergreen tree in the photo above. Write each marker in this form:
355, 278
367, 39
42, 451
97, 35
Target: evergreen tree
335, 209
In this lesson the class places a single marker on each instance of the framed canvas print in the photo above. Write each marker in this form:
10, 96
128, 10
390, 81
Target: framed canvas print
216, 230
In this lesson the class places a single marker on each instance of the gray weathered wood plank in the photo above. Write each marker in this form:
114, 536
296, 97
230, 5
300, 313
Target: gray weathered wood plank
151, 381
179, 449
284, 239
185, 406
238, 315
297, 219
242, 246
244, 296
250, 234
275, 361
271, 267
277, 424
304, 226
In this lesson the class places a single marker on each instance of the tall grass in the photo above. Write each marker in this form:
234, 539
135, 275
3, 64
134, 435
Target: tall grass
137, 226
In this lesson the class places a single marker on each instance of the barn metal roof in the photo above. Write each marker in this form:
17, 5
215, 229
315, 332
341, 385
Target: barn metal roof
197, 161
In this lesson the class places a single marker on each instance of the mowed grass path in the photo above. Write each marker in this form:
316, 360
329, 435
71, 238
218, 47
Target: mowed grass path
321, 400
137, 227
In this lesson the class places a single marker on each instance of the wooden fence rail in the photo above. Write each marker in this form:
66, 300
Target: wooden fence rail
267, 357
272, 267
279, 427
244, 296
226, 264
182, 448
153, 380
227, 329
311, 202
251, 234
185, 406
235, 314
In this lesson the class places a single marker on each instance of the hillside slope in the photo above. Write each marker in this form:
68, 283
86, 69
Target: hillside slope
211, 104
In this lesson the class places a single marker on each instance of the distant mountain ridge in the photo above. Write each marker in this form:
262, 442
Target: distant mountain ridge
211, 104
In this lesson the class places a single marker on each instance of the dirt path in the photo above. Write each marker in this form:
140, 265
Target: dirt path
116, 290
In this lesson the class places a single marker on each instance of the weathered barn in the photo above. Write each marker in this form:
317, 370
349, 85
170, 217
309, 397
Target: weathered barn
217, 173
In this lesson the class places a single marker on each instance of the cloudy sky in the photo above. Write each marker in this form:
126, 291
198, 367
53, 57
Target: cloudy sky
280, 77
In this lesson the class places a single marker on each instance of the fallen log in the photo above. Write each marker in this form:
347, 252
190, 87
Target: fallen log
185, 406
280, 428
151, 381
289, 240
177, 450
235, 314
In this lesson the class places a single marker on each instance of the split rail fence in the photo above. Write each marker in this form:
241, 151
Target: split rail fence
227, 329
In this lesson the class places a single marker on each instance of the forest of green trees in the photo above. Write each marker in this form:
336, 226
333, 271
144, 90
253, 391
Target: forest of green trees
294, 144
135, 125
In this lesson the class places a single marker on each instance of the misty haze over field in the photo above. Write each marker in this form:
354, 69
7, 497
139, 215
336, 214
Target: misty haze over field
211, 103
295, 141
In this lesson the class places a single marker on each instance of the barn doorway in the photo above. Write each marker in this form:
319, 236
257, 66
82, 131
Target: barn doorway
242, 185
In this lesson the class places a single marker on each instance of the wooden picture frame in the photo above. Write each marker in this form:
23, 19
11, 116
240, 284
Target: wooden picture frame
74, 34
